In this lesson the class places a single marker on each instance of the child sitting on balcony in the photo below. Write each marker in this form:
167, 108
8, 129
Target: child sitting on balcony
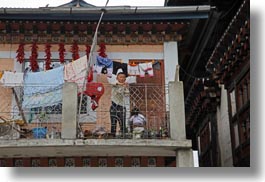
137, 123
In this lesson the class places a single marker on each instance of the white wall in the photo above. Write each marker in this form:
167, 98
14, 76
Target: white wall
171, 60
170, 56
125, 56
224, 136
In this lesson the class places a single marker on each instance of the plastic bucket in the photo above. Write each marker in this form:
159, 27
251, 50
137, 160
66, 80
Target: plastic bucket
39, 132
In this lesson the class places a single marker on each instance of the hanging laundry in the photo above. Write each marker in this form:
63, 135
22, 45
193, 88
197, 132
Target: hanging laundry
146, 68
133, 69
157, 65
12, 79
119, 65
94, 91
76, 72
43, 99
104, 65
43, 89
44, 81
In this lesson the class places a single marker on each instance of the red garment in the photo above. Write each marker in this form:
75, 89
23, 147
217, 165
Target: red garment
94, 91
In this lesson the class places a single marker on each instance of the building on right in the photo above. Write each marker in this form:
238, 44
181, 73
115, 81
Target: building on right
216, 76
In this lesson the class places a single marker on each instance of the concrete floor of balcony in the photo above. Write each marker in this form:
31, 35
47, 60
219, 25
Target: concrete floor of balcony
90, 147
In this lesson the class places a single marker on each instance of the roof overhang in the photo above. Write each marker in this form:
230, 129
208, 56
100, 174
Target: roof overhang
112, 13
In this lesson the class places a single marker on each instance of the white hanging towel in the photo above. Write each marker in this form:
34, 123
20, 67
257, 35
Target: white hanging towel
146, 68
76, 71
12, 79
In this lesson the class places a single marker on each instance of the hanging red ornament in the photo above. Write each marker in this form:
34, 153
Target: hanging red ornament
75, 50
90, 75
20, 53
102, 49
33, 58
61, 52
88, 49
48, 56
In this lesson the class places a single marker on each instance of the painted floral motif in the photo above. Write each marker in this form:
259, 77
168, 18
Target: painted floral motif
35, 162
18, 163
86, 162
119, 162
151, 162
52, 163
102, 162
69, 162
2, 163
135, 162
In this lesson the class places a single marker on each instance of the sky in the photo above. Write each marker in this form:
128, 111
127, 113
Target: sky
52, 3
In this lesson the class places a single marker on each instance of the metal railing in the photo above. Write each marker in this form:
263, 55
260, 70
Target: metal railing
40, 115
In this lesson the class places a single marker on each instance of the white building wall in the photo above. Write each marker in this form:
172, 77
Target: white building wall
171, 60
169, 55
224, 136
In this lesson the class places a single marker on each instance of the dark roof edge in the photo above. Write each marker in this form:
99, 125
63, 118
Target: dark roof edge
110, 17
109, 9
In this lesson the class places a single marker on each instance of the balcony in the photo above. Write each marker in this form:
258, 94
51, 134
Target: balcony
21, 116
66, 123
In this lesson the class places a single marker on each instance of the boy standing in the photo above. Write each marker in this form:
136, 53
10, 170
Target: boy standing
118, 110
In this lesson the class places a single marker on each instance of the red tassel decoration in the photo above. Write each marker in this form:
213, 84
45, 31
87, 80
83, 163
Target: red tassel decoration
33, 58
20, 53
61, 52
88, 49
102, 50
48, 56
75, 50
